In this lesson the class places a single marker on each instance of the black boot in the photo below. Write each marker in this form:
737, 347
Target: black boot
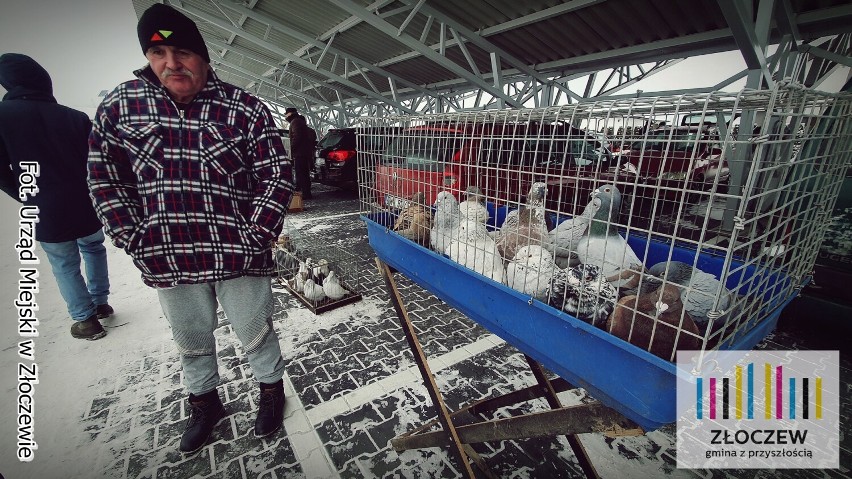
205, 412
270, 409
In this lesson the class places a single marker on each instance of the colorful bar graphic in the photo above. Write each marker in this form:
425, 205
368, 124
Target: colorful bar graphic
699, 398
792, 398
768, 398
819, 398
779, 393
778, 397
739, 385
750, 391
712, 398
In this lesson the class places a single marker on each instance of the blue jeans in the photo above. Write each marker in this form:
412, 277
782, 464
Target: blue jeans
81, 296
248, 304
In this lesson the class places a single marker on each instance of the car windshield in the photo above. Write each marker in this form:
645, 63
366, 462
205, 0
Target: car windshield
677, 141
565, 153
332, 139
421, 152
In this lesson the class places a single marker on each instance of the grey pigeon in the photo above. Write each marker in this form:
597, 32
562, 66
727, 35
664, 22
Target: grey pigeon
603, 246
701, 289
567, 235
526, 226
582, 292
446, 222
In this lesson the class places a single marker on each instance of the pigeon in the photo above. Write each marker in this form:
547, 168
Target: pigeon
531, 271
445, 223
415, 221
319, 271
312, 291
474, 249
285, 257
300, 277
700, 289
659, 315
526, 226
603, 246
314, 270
474, 205
332, 288
567, 234
582, 292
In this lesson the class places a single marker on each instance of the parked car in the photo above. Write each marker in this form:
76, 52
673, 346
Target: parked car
336, 158
502, 159
676, 158
337, 153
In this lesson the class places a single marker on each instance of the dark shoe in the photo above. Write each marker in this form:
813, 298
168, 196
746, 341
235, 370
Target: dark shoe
89, 329
104, 311
270, 409
205, 412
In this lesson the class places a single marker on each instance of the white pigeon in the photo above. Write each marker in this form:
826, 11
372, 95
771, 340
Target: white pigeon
603, 246
332, 288
300, 277
473, 206
445, 223
700, 289
527, 226
312, 291
531, 271
566, 236
474, 249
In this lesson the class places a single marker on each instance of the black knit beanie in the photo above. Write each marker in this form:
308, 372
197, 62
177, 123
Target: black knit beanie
163, 25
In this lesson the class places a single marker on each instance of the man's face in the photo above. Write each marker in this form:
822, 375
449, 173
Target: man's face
182, 72
289, 116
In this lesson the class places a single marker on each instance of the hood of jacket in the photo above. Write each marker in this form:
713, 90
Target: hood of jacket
24, 79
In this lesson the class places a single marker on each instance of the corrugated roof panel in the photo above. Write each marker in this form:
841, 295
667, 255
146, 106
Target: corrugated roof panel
551, 36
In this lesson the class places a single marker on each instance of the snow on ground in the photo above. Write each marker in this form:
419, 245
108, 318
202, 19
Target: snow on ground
71, 371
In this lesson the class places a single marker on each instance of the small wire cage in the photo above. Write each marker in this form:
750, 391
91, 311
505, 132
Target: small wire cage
321, 276
658, 220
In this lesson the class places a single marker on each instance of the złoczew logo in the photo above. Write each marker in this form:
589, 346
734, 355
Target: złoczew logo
758, 409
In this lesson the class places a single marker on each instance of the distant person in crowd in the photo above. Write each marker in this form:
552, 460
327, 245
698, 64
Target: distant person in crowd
302, 144
190, 177
35, 129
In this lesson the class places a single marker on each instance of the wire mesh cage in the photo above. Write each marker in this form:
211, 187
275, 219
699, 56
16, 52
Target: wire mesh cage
321, 276
659, 223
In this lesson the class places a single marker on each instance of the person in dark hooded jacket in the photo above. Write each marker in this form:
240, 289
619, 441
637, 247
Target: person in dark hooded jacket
38, 134
302, 143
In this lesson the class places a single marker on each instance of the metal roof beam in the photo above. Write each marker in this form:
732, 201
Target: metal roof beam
410, 42
745, 35
288, 55
253, 76
248, 53
484, 44
325, 46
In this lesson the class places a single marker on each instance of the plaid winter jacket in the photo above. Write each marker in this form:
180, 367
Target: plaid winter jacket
194, 196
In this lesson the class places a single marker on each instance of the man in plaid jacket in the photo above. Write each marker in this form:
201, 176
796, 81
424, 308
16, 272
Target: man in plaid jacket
191, 178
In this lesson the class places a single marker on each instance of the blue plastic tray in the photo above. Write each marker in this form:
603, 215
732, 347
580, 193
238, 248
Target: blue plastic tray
618, 374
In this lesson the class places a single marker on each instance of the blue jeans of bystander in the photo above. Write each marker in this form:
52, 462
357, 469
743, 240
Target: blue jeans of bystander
81, 296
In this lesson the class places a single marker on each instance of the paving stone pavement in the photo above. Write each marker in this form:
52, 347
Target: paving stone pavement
352, 386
